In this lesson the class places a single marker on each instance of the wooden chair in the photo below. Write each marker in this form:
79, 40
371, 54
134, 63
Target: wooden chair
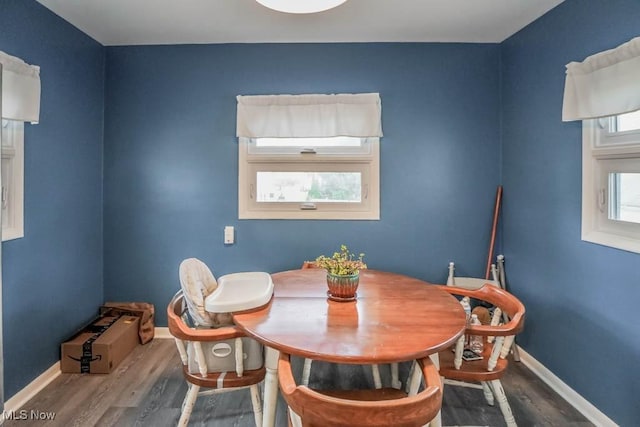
309, 264
375, 369
498, 338
359, 408
190, 342
497, 279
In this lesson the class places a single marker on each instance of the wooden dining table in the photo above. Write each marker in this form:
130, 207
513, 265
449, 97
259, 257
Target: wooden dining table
395, 318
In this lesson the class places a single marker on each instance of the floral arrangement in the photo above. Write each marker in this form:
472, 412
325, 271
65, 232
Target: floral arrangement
343, 263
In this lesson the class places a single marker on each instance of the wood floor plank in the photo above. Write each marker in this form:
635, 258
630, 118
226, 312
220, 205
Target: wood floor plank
147, 389
113, 416
148, 364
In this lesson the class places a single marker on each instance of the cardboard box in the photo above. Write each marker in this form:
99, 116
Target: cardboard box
100, 346
144, 310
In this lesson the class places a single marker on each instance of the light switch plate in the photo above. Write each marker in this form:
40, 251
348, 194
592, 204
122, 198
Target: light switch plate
228, 235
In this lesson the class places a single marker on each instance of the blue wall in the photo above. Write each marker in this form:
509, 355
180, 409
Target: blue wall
171, 154
52, 278
170, 180
581, 298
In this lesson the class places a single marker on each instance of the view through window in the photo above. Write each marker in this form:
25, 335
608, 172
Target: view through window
624, 187
309, 187
624, 200
309, 178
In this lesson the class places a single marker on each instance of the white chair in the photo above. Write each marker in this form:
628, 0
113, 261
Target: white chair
224, 341
476, 283
498, 337
498, 279
215, 354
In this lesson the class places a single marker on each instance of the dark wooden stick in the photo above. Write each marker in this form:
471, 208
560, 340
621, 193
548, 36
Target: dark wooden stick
494, 229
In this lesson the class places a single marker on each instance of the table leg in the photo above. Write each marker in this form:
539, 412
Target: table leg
395, 382
414, 380
270, 387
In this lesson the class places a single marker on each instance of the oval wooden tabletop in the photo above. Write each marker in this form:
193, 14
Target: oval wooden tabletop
395, 318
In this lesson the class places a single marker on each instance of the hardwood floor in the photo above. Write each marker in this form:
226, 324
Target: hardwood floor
147, 389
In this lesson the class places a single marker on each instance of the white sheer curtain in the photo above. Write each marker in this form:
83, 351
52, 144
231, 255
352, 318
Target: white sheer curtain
308, 116
20, 89
604, 84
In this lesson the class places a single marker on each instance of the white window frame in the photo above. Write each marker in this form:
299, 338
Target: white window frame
603, 152
366, 161
12, 192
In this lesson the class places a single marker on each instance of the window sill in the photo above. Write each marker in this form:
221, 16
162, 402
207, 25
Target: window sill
612, 240
12, 234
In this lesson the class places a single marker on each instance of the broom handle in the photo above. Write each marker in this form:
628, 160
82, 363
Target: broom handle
494, 229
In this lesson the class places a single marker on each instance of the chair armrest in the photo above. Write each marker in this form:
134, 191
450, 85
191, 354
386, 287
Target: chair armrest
508, 303
179, 329
183, 332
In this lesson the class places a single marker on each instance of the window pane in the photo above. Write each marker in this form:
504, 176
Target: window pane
6, 184
627, 122
339, 141
625, 197
298, 187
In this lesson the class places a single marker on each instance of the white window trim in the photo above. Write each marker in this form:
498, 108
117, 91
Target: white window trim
622, 152
368, 165
309, 116
13, 190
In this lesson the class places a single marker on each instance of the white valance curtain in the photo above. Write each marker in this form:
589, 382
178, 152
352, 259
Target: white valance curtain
309, 116
20, 89
604, 84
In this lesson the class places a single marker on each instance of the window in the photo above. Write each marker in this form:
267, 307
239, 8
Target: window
604, 92
12, 193
611, 181
19, 103
309, 178
309, 157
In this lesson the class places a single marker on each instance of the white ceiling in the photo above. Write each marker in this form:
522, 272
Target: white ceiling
137, 22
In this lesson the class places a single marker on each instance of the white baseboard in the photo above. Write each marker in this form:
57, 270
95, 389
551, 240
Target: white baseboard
592, 413
34, 387
162, 333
